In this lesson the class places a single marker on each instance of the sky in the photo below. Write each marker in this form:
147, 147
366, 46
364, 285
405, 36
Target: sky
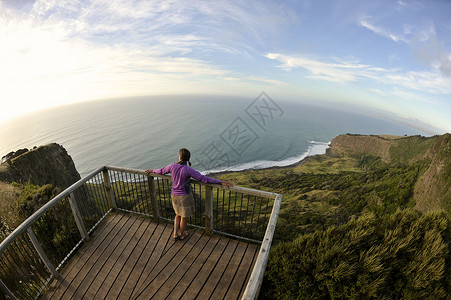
390, 57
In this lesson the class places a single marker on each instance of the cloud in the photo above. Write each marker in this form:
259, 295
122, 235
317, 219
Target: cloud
342, 72
335, 72
233, 27
48, 61
430, 52
422, 40
365, 22
56, 52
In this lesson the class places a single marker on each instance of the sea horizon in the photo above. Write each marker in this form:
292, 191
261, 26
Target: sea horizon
223, 134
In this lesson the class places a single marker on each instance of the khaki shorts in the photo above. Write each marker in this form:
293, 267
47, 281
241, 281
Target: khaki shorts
183, 205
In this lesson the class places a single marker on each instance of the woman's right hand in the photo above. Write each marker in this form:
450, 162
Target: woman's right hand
148, 171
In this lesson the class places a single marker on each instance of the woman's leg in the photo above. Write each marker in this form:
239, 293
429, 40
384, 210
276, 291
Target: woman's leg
177, 225
183, 222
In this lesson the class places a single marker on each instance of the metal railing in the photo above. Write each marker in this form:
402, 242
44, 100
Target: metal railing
32, 255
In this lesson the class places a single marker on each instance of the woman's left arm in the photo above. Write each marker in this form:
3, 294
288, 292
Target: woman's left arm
202, 178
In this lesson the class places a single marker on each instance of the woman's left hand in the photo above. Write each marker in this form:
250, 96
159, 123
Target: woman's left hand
148, 171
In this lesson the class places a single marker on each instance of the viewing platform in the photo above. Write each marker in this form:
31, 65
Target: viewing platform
109, 236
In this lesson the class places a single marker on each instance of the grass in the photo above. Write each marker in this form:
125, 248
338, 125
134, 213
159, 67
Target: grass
323, 164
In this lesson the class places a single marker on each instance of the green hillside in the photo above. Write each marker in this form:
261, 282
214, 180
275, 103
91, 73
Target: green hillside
345, 214
369, 219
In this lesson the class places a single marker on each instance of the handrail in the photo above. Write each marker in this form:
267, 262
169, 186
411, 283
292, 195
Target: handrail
255, 280
256, 277
37, 214
239, 189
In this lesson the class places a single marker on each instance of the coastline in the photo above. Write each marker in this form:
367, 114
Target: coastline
296, 164
316, 148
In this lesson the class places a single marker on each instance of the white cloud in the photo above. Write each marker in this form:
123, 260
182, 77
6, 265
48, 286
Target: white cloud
45, 63
364, 22
422, 40
336, 72
426, 81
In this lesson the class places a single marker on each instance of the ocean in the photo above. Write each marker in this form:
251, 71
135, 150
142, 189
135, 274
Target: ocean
222, 133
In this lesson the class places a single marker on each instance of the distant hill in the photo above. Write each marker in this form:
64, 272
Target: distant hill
433, 187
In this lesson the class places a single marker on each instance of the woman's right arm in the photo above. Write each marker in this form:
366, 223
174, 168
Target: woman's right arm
161, 171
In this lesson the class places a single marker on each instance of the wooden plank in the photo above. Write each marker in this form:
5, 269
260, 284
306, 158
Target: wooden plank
166, 266
120, 273
216, 274
134, 258
239, 282
97, 260
170, 242
146, 261
178, 291
170, 276
68, 273
198, 282
254, 261
116, 261
154, 259
230, 271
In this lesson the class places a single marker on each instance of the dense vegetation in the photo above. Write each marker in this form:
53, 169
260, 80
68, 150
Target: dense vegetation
316, 200
400, 256
349, 226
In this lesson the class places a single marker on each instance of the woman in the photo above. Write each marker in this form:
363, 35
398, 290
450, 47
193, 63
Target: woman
182, 198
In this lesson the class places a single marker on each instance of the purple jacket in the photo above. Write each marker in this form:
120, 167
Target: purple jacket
180, 173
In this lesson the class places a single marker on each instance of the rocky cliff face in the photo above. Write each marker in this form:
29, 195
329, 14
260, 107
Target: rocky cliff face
49, 164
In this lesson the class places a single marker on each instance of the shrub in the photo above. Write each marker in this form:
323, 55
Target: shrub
405, 255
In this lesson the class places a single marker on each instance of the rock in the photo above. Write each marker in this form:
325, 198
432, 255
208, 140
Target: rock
49, 164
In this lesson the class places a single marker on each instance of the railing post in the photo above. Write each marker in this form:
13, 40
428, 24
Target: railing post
41, 252
77, 217
7, 291
109, 191
153, 198
208, 210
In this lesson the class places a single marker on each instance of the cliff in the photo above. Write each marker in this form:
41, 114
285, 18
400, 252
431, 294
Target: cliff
432, 190
29, 179
49, 164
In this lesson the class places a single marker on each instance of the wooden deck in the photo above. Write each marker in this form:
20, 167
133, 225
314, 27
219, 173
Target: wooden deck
130, 257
